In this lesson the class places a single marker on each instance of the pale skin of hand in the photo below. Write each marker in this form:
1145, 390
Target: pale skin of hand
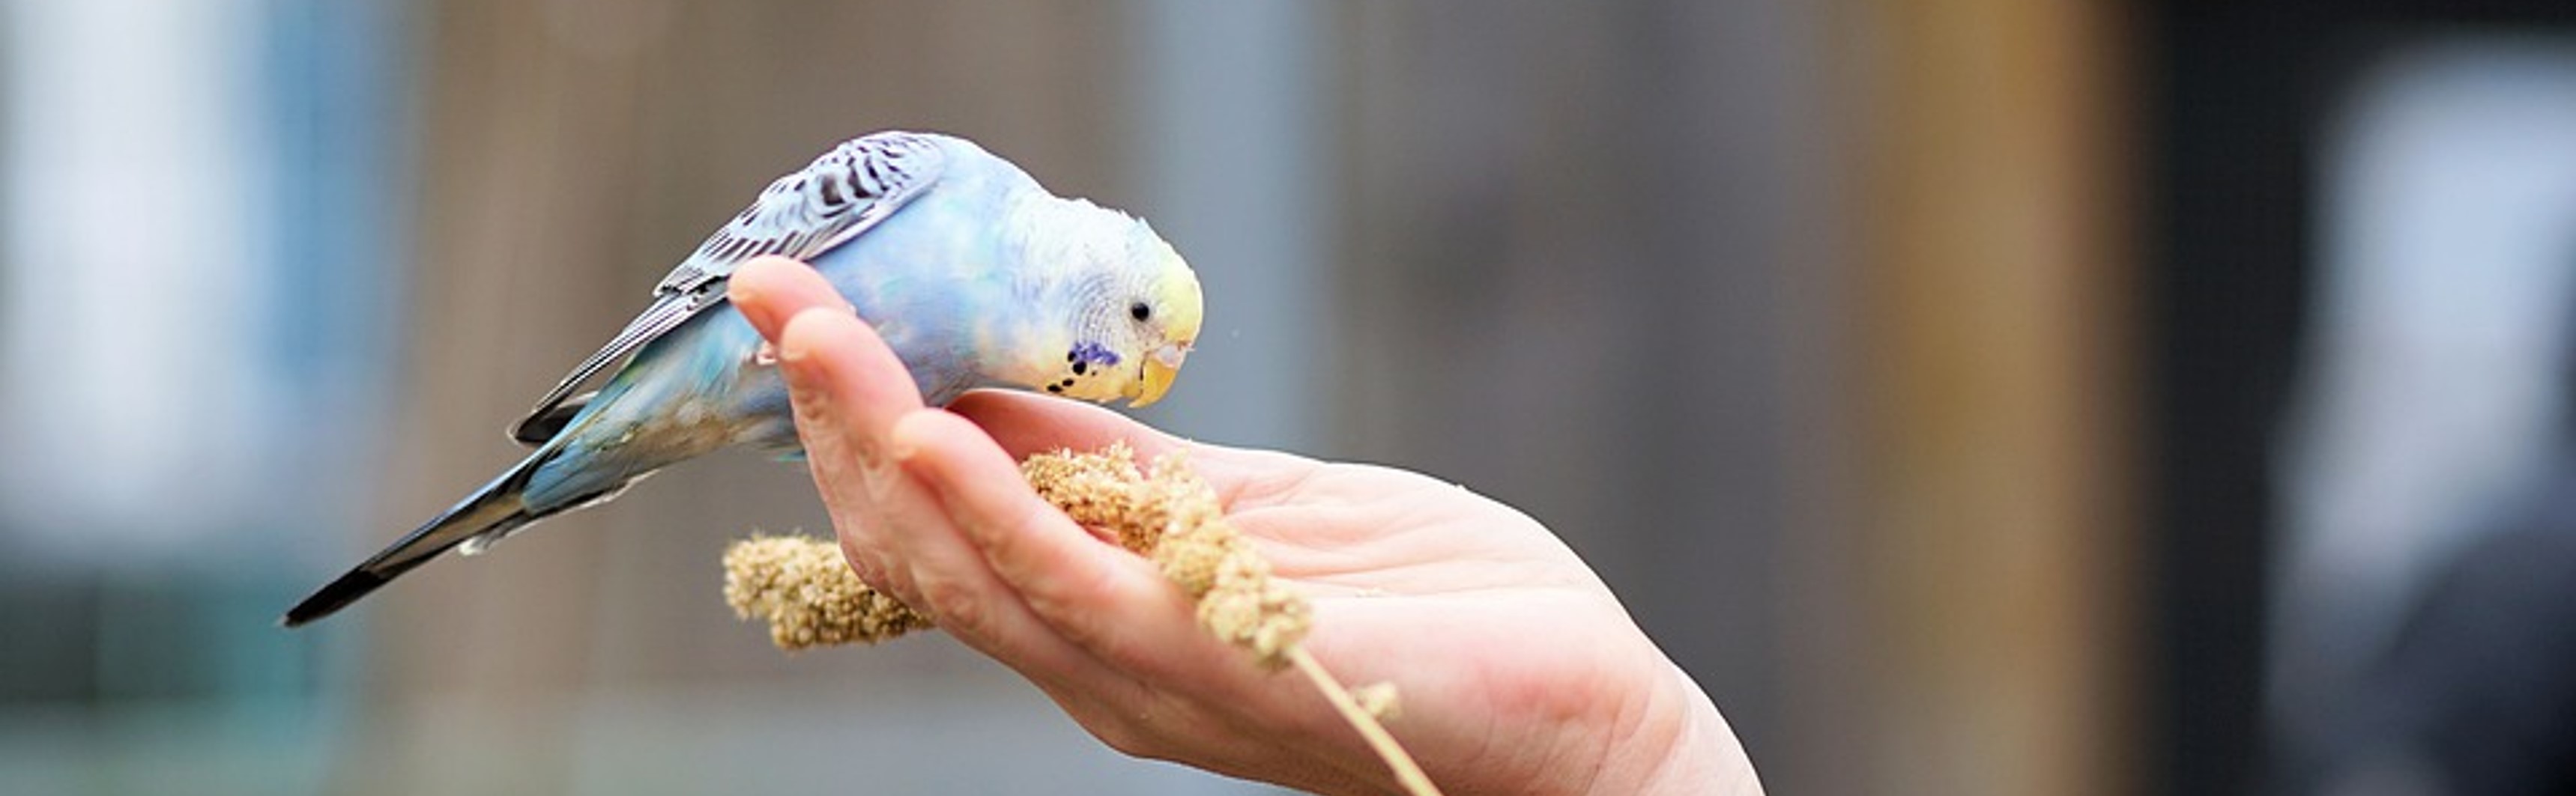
1519, 671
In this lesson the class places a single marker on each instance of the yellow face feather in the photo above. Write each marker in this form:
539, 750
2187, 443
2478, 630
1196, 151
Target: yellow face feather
1176, 291
1123, 336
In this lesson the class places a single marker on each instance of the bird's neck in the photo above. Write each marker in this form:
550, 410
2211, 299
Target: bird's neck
1053, 242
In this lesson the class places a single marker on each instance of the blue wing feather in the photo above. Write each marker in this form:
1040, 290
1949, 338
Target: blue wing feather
841, 195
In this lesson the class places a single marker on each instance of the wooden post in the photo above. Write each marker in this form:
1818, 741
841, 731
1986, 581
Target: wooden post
1996, 362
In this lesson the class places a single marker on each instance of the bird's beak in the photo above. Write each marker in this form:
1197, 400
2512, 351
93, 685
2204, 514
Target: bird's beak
1161, 368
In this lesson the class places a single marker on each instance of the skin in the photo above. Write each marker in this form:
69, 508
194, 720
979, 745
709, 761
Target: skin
1520, 672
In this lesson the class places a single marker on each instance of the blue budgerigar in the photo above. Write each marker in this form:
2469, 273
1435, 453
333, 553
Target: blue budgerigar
973, 273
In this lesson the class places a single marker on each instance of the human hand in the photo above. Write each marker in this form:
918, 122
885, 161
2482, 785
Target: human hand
1519, 670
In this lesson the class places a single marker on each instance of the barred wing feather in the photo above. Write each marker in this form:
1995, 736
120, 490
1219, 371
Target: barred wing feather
838, 197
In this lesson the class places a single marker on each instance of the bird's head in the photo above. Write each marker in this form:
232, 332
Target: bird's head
1134, 311
1166, 313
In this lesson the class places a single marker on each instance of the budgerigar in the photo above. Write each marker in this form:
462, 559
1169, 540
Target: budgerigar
972, 272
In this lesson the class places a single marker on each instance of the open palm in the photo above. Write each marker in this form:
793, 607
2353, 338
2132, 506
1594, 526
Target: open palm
1519, 670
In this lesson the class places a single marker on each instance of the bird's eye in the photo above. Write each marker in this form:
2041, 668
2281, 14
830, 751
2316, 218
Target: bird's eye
1140, 311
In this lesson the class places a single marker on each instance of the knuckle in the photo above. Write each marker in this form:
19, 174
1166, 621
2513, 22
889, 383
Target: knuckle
1002, 531
955, 606
864, 562
1125, 736
813, 412
1075, 602
1132, 717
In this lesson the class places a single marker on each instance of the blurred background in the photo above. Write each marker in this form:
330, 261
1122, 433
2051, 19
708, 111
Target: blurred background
1980, 397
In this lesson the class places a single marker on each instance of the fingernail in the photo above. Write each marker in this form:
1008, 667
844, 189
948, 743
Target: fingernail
902, 440
795, 357
793, 346
798, 370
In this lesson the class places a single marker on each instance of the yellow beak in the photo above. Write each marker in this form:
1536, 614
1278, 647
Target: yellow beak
1160, 369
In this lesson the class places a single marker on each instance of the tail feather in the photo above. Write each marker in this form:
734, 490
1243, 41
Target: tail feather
338, 594
495, 509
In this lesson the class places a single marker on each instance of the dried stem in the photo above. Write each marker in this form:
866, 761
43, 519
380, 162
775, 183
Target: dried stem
1407, 773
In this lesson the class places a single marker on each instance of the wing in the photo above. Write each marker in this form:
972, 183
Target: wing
836, 198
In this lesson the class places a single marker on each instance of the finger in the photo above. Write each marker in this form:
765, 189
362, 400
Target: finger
838, 375
1027, 423
847, 388
892, 530
1097, 596
1110, 604
770, 290
928, 566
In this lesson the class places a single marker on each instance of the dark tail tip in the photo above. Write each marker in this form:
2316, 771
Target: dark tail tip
339, 594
